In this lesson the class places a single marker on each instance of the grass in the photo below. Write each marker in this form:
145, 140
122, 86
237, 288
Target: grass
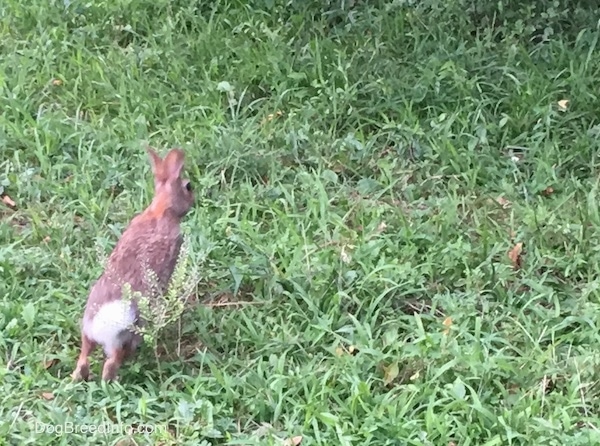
362, 170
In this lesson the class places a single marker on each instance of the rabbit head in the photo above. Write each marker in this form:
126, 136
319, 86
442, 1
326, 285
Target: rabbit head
172, 193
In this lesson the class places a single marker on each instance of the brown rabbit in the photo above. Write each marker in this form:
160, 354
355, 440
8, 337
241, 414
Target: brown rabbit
152, 240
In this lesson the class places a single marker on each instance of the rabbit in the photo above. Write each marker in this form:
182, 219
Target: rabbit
153, 239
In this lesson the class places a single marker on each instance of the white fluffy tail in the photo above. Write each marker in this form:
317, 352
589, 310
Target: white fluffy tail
108, 324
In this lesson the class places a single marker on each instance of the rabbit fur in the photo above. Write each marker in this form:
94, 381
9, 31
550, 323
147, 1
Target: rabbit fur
152, 240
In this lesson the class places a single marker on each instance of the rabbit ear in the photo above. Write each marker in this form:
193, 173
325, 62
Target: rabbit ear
173, 163
157, 163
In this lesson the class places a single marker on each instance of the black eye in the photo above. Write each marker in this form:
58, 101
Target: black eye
188, 186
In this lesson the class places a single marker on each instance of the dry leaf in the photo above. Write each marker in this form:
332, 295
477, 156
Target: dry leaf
547, 385
447, 323
49, 363
563, 104
415, 376
548, 191
341, 350
391, 372
272, 116
294, 441
513, 388
8, 201
516, 153
263, 429
46, 239
381, 227
345, 256
503, 202
515, 255
48, 396
56, 82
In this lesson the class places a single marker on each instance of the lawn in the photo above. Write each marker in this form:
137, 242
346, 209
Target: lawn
396, 224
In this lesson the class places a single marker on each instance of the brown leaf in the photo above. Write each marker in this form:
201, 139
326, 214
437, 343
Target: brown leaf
56, 82
48, 396
341, 350
390, 373
386, 151
547, 385
338, 168
503, 202
548, 191
563, 104
294, 441
513, 388
49, 363
345, 255
46, 239
515, 255
8, 201
381, 227
272, 116
447, 323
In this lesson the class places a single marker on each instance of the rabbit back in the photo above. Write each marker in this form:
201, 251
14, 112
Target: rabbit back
147, 244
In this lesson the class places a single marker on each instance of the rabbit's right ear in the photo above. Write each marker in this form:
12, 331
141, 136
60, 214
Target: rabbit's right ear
157, 164
173, 163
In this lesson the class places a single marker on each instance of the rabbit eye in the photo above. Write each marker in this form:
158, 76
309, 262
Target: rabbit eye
188, 186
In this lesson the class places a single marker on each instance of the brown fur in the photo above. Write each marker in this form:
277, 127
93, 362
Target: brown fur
152, 240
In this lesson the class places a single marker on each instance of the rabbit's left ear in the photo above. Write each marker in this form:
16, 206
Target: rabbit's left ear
173, 163
157, 164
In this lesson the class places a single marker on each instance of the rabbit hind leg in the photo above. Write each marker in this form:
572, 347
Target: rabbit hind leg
112, 364
82, 370
125, 351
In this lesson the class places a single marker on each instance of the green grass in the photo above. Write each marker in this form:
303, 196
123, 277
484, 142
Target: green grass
347, 158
